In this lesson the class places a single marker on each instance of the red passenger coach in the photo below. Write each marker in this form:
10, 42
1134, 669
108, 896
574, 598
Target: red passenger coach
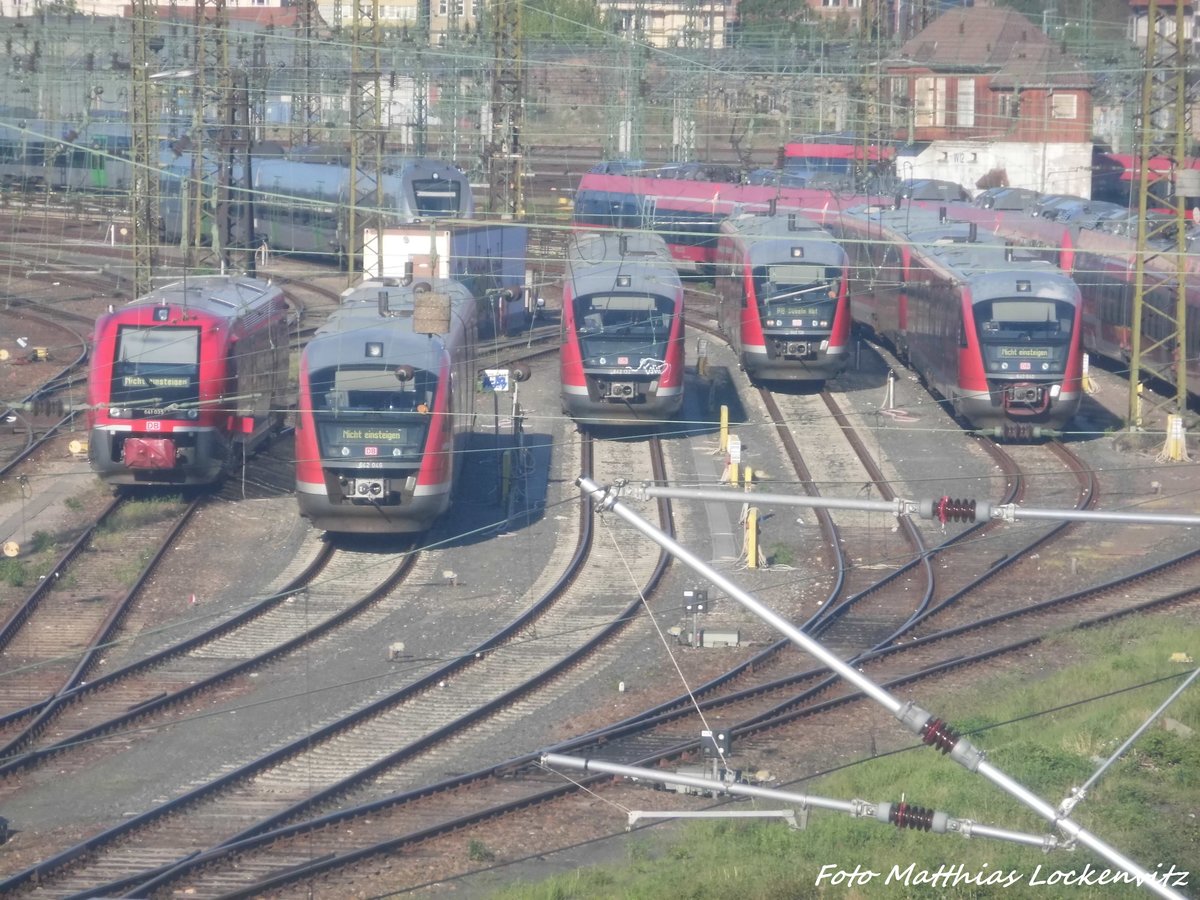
187, 380
386, 407
622, 315
783, 285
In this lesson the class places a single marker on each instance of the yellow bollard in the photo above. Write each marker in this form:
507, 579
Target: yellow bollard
1087, 383
1175, 447
724, 432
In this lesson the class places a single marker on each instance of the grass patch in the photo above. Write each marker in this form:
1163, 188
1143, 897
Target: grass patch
38, 555
134, 514
781, 555
1145, 805
145, 511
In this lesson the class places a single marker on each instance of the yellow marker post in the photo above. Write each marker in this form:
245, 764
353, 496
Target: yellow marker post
1175, 447
1087, 382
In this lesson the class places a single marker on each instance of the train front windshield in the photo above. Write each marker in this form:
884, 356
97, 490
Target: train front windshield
156, 371
797, 298
366, 416
436, 197
1024, 336
623, 330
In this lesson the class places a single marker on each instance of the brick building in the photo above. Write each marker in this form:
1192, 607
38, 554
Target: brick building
982, 97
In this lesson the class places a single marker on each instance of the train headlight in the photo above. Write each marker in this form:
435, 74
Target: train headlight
345, 451
1055, 390
1003, 367
396, 451
193, 414
1045, 367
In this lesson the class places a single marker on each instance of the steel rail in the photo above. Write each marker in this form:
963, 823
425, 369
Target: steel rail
163, 701
423, 684
933, 731
54, 704
605, 737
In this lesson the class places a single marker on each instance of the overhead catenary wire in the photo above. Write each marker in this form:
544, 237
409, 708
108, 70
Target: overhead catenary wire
943, 508
933, 731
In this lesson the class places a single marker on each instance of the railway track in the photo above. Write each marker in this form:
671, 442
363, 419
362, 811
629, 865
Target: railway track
51, 389
555, 634
528, 798
609, 741
936, 620
325, 590
52, 641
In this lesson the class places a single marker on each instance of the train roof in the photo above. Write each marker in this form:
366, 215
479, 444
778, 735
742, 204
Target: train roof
330, 181
719, 198
221, 296
343, 339
771, 238
969, 253
596, 259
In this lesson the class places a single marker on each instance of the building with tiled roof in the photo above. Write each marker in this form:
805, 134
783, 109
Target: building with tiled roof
983, 97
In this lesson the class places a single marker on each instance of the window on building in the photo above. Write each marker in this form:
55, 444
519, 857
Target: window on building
1007, 106
1062, 106
965, 110
929, 102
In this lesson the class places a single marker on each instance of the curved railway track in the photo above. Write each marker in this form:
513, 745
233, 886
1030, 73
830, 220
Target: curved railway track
574, 617
440, 817
771, 708
899, 641
46, 408
52, 641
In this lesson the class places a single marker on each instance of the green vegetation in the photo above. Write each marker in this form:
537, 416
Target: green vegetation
563, 20
478, 851
111, 535
781, 555
36, 561
145, 511
1145, 805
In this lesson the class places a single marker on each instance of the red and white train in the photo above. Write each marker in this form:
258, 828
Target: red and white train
386, 407
994, 330
1103, 264
622, 318
685, 213
782, 283
187, 380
